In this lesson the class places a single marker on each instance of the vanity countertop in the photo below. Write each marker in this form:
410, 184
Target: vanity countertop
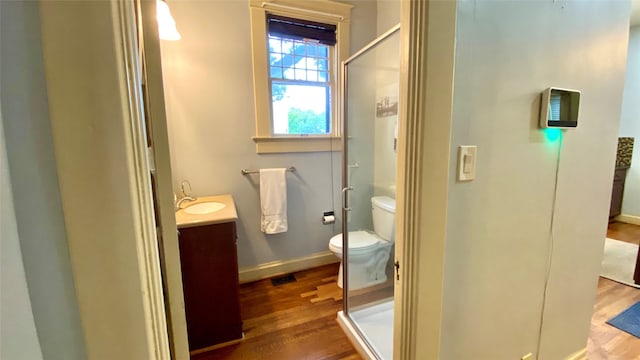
226, 214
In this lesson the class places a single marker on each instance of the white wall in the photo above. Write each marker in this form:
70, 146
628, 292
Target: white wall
18, 337
498, 241
210, 115
38, 211
630, 123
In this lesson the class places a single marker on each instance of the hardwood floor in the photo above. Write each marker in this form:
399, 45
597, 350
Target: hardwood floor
624, 232
281, 324
605, 341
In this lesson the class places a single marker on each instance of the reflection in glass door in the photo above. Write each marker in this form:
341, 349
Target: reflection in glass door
371, 94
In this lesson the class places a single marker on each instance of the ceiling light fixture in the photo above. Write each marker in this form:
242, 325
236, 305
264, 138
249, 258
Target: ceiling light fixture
166, 25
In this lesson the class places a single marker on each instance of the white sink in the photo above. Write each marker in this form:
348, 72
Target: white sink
204, 208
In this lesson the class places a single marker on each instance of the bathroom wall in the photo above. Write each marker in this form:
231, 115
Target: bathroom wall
209, 96
41, 233
498, 239
630, 123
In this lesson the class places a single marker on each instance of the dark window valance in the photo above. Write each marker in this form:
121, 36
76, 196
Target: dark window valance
301, 29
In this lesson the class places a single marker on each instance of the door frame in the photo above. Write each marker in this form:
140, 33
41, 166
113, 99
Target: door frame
424, 147
97, 121
156, 118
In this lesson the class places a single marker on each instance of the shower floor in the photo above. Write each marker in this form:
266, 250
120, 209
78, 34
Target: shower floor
376, 323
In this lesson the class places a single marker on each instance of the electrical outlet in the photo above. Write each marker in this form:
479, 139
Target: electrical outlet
529, 356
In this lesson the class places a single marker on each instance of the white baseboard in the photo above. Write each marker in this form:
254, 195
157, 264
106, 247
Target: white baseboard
578, 355
280, 267
354, 338
629, 219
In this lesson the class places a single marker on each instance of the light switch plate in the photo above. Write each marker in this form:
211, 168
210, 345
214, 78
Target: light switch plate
467, 162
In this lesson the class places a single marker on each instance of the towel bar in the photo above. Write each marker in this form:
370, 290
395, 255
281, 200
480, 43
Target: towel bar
246, 172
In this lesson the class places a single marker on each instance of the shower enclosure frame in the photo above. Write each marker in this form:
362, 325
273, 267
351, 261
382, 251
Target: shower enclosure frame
351, 325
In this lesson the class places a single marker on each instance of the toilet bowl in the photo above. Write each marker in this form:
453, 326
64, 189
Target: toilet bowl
368, 251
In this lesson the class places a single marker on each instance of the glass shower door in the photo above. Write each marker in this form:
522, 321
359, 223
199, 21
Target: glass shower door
371, 92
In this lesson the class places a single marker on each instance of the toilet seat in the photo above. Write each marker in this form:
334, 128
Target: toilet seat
359, 241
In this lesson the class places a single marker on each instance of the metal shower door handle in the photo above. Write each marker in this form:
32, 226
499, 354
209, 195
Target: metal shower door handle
344, 198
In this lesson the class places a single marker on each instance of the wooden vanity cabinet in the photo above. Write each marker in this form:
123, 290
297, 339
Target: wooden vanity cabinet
210, 279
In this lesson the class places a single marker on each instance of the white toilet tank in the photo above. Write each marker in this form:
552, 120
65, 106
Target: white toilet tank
383, 210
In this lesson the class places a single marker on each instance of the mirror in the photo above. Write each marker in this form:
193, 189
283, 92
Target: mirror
559, 108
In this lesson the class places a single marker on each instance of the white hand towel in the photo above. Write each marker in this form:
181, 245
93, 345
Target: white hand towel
273, 200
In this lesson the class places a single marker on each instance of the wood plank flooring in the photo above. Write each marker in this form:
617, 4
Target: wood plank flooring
605, 341
624, 232
281, 324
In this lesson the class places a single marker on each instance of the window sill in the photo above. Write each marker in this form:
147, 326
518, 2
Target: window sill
269, 145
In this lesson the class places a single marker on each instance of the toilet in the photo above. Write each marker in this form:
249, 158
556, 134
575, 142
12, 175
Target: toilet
369, 251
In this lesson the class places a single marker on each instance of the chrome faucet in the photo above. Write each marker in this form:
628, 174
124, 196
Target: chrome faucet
185, 196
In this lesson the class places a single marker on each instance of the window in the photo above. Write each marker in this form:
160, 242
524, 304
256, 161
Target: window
299, 74
297, 49
554, 106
